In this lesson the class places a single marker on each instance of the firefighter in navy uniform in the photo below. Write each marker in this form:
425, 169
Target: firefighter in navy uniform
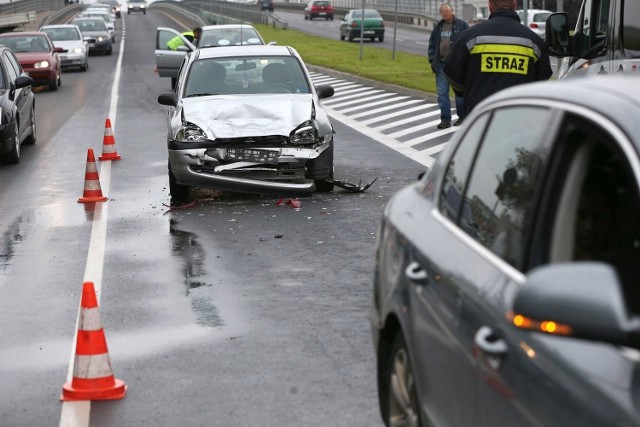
496, 54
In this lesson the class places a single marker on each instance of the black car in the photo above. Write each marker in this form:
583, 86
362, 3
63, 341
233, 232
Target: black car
266, 5
17, 107
507, 278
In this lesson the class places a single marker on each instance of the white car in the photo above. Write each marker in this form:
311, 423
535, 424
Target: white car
248, 119
536, 20
76, 48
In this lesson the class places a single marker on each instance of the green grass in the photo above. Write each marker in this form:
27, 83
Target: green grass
406, 70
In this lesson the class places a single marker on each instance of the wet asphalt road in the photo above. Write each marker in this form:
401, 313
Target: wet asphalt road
232, 312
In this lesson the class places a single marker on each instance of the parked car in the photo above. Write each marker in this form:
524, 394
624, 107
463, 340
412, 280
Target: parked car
17, 107
229, 35
75, 52
248, 119
536, 20
265, 5
526, 311
37, 55
96, 30
318, 9
137, 6
354, 27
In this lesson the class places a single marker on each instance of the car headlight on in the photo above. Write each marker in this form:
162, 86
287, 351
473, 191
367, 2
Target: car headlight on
100, 38
142, 6
41, 64
191, 133
78, 50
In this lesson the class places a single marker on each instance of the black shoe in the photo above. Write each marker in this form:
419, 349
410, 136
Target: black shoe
444, 125
458, 122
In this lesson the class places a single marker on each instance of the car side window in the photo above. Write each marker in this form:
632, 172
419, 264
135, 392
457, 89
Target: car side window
2, 74
499, 199
458, 169
14, 69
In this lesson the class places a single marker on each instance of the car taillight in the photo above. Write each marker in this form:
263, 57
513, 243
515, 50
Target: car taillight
355, 24
533, 25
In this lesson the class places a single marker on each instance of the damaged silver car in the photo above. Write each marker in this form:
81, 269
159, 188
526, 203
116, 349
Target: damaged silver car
247, 119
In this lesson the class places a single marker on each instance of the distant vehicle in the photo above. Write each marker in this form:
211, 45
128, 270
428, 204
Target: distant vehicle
139, 6
248, 119
111, 26
266, 5
96, 30
229, 35
37, 55
17, 107
318, 9
536, 20
605, 40
354, 27
505, 286
69, 37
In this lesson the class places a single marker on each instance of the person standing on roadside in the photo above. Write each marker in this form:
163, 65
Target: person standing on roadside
444, 34
496, 54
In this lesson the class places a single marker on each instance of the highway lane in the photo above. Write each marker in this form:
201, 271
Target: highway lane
233, 312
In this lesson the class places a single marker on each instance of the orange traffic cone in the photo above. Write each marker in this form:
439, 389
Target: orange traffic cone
109, 144
92, 375
92, 190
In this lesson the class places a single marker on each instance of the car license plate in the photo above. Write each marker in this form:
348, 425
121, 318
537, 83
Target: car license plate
92, 45
369, 32
322, 13
252, 155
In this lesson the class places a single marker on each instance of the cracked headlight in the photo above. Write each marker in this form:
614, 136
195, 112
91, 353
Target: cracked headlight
191, 133
41, 64
306, 134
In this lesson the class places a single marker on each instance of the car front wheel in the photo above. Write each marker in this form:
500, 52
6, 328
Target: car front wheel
13, 156
178, 192
399, 398
31, 139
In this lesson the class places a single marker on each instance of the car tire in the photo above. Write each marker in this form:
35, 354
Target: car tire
306, 17
350, 37
110, 51
381, 39
31, 139
85, 67
13, 156
396, 385
178, 192
323, 186
310, 17
53, 86
341, 36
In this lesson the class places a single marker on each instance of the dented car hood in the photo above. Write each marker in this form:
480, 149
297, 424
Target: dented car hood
229, 116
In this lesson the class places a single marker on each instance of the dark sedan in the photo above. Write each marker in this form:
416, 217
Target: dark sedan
507, 278
17, 107
37, 55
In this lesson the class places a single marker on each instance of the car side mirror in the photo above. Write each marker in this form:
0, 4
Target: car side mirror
324, 91
23, 81
168, 98
577, 299
557, 35
60, 50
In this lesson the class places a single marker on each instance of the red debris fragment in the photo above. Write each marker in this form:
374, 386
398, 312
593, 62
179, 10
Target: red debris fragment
294, 203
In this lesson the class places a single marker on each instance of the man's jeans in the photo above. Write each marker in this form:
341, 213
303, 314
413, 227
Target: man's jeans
442, 85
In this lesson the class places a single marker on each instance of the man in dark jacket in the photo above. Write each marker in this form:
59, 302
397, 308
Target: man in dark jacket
444, 34
495, 55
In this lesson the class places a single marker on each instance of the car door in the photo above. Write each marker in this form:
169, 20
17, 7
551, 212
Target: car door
590, 213
21, 98
168, 61
471, 249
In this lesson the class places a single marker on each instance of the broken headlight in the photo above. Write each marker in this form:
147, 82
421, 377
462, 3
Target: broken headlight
190, 133
306, 134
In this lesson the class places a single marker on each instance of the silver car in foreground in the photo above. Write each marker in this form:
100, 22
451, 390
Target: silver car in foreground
248, 119
507, 279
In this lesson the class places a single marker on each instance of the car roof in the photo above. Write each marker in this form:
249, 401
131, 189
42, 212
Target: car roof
246, 50
616, 97
23, 33
59, 26
226, 26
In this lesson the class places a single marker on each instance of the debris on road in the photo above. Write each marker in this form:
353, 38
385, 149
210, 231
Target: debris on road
353, 188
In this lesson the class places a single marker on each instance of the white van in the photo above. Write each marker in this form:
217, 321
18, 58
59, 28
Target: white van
606, 39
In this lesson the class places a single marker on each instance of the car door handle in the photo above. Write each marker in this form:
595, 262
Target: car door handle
416, 273
487, 341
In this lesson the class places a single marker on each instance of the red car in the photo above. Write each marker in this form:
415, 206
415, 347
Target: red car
318, 9
37, 55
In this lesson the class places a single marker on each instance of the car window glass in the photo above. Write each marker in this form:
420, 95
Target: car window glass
3, 84
631, 29
163, 38
504, 180
14, 69
458, 169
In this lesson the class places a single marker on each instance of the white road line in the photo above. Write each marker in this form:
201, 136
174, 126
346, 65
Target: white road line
430, 136
413, 129
342, 94
361, 99
373, 104
385, 108
407, 120
77, 413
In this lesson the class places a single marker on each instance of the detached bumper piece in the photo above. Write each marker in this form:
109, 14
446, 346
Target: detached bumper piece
353, 188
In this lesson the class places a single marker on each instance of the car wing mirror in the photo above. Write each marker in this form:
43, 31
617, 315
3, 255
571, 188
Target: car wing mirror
168, 98
324, 91
577, 299
557, 35
60, 50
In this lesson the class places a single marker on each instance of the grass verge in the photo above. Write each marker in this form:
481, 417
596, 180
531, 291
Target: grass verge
406, 70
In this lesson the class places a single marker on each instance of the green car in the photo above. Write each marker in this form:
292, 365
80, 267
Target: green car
352, 25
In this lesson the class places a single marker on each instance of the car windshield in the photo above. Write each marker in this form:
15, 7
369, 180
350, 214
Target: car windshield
62, 34
229, 37
97, 24
26, 43
540, 17
321, 3
367, 14
246, 75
